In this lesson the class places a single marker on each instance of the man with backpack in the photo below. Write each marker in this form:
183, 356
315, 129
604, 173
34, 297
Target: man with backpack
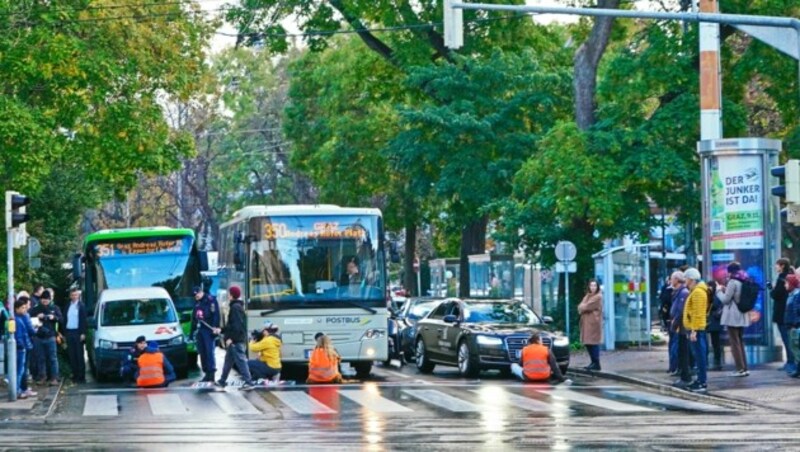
737, 301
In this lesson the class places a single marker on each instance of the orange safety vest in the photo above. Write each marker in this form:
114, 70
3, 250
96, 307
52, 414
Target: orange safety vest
321, 368
151, 370
535, 365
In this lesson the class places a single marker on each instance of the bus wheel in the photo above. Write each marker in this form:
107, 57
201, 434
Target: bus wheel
363, 369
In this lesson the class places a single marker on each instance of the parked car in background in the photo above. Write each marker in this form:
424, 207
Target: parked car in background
410, 313
476, 335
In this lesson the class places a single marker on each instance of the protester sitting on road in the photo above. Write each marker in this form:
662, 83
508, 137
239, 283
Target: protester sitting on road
130, 366
267, 343
791, 319
323, 366
537, 363
23, 335
155, 370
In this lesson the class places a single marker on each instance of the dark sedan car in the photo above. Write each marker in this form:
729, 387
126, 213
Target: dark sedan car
412, 311
475, 335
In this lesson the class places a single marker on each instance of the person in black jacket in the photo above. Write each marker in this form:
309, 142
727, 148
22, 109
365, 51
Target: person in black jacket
45, 340
75, 328
235, 333
779, 295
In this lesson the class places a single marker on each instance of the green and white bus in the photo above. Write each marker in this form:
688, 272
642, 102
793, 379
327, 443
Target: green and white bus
291, 264
141, 257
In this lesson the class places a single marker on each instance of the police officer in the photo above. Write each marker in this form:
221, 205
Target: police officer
205, 322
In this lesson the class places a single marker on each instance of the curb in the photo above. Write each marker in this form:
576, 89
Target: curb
669, 390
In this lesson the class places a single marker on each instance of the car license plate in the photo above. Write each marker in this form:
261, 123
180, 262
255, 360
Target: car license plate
308, 353
519, 353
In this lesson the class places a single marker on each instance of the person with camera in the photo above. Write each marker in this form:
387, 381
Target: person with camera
267, 343
50, 317
130, 366
235, 333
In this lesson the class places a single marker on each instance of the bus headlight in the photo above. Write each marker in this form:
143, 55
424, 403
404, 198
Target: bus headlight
373, 334
177, 340
104, 344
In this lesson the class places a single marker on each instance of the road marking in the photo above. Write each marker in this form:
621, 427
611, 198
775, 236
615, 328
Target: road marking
521, 402
101, 405
396, 374
233, 403
374, 402
669, 401
166, 404
302, 403
594, 401
443, 400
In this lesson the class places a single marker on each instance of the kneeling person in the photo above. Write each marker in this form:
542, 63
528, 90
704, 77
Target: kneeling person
537, 363
155, 370
268, 346
130, 364
323, 366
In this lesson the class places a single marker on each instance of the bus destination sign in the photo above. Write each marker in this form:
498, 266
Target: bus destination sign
139, 247
320, 230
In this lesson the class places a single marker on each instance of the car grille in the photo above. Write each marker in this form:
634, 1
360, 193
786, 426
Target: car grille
127, 345
514, 343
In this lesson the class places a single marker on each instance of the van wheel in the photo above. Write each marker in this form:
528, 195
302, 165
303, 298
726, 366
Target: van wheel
362, 369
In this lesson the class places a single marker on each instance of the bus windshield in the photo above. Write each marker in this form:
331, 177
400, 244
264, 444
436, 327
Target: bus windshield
140, 262
308, 259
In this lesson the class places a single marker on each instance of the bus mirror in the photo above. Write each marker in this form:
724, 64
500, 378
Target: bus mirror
77, 266
203, 255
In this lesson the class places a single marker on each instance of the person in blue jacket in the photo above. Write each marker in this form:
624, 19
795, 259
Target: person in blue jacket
205, 324
24, 337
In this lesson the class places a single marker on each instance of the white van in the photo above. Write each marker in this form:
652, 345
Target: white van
122, 315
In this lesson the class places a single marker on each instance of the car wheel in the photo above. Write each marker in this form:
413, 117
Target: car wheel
423, 363
362, 369
468, 365
409, 356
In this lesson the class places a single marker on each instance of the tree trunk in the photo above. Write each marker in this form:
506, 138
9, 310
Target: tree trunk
410, 252
586, 60
473, 241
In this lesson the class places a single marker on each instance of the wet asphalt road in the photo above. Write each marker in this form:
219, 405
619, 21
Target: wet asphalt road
399, 409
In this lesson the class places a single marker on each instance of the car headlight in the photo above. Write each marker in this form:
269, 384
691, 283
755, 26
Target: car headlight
104, 344
373, 334
489, 340
177, 340
561, 341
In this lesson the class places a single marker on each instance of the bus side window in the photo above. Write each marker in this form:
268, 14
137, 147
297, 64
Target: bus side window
238, 252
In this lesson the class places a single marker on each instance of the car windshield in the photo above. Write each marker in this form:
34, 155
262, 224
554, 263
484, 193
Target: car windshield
420, 309
500, 312
142, 311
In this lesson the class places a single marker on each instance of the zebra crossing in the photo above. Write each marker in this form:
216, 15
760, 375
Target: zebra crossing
436, 401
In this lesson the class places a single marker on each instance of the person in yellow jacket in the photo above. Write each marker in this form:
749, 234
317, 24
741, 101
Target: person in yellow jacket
323, 365
268, 347
695, 313
537, 363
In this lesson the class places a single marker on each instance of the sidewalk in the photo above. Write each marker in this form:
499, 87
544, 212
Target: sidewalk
765, 387
32, 408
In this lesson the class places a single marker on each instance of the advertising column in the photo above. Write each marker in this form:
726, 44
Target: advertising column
741, 223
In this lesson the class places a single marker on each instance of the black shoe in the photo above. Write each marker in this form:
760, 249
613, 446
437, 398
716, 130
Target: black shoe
247, 386
795, 374
595, 366
698, 387
208, 378
681, 384
220, 384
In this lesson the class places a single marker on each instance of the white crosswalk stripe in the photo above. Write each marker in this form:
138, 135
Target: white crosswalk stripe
521, 402
587, 399
233, 403
670, 401
443, 400
101, 405
302, 403
166, 404
374, 402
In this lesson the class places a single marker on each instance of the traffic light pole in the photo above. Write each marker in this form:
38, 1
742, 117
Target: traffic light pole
12, 342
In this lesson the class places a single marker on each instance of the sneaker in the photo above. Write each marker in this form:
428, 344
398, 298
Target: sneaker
54, 382
698, 387
220, 384
742, 373
31, 393
22, 396
680, 384
674, 373
247, 386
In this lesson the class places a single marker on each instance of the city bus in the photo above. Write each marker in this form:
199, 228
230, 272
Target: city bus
291, 263
141, 257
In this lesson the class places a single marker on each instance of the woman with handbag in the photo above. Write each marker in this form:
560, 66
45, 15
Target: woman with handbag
591, 322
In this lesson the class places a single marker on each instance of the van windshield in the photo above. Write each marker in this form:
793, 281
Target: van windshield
141, 311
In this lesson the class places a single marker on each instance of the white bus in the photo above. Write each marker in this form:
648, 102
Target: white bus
309, 269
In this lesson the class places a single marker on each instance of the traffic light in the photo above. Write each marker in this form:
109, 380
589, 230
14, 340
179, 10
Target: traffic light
15, 210
789, 174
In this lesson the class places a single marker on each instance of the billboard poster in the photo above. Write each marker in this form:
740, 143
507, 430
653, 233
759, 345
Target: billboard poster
737, 224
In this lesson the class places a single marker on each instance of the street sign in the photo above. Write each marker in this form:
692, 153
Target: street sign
566, 251
34, 247
793, 213
566, 267
35, 263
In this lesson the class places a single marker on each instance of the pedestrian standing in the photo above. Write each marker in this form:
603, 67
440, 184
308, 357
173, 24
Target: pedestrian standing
23, 335
680, 294
76, 335
713, 326
674, 285
591, 322
779, 295
695, 314
791, 319
734, 320
33, 356
235, 333
50, 317
205, 322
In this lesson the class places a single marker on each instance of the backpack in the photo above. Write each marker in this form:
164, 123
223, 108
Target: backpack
748, 296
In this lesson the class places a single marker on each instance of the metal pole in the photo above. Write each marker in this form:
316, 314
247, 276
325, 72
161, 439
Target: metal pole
12, 342
419, 283
566, 295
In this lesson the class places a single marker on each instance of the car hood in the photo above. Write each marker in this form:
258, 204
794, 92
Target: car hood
505, 330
